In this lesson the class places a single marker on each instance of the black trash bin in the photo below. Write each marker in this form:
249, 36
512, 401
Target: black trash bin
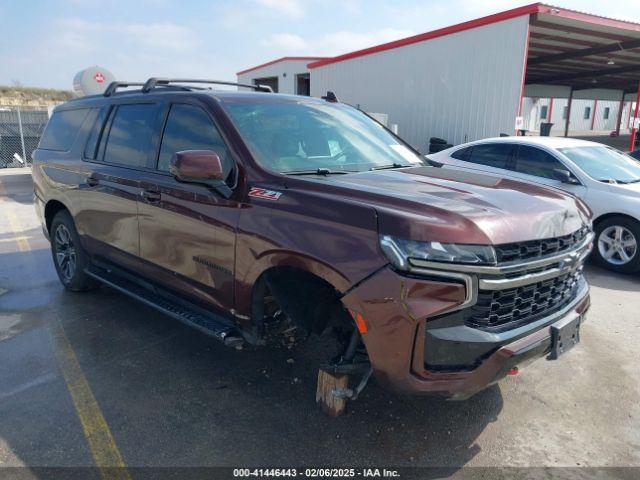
545, 129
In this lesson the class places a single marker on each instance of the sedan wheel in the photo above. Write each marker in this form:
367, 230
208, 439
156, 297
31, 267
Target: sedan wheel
617, 245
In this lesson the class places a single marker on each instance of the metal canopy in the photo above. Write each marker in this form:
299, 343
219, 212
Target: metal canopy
583, 54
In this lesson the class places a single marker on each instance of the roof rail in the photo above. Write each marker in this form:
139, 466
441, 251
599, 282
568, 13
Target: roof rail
156, 82
113, 86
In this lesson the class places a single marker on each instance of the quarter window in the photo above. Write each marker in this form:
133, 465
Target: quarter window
190, 128
533, 161
130, 136
462, 154
494, 155
62, 129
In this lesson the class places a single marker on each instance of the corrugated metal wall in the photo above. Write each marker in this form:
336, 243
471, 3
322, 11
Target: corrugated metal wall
461, 87
286, 72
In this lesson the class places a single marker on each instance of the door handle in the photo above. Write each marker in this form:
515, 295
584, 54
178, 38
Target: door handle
92, 181
150, 196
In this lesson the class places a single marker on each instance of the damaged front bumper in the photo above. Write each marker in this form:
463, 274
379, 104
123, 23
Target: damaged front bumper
421, 337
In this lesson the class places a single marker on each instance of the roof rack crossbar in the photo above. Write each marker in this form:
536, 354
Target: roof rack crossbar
113, 86
154, 82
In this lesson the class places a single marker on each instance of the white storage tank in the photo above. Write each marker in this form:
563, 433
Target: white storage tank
92, 81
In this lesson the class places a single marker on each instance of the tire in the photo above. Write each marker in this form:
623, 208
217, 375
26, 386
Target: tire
617, 244
438, 147
437, 140
69, 257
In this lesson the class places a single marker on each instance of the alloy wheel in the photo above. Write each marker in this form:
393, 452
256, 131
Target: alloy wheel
65, 252
617, 245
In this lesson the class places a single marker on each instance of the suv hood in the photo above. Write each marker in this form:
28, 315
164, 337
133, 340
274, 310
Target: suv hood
434, 204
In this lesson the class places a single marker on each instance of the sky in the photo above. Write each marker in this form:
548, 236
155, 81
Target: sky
44, 43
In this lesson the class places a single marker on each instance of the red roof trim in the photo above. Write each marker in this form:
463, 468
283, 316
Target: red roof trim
441, 32
479, 22
278, 60
589, 18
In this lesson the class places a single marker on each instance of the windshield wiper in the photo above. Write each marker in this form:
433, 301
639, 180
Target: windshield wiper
613, 181
393, 165
319, 171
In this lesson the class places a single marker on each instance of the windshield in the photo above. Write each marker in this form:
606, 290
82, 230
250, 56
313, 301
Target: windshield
604, 163
308, 136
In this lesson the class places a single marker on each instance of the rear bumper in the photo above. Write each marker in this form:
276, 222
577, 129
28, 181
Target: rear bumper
395, 309
38, 203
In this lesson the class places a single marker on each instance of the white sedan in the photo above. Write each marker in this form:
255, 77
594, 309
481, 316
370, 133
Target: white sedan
606, 179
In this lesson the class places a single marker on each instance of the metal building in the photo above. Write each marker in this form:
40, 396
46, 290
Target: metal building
284, 75
470, 80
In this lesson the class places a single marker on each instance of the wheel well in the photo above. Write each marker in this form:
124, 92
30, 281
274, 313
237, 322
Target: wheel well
50, 210
607, 216
311, 302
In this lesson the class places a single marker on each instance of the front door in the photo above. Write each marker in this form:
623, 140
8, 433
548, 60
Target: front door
534, 164
187, 231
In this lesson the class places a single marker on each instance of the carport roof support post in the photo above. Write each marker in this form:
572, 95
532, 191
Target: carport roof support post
619, 122
566, 123
632, 142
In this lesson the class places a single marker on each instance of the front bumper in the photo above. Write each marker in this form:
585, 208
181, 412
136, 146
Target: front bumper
411, 320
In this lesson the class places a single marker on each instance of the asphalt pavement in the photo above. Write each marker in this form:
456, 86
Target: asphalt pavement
97, 377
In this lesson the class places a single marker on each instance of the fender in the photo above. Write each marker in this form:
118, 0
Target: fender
282, 258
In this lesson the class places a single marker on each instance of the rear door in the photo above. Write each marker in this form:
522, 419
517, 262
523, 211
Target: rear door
487, 157
188, 231
119, 151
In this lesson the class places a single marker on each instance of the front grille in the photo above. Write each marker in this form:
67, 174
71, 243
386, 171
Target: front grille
522, 305
533, 249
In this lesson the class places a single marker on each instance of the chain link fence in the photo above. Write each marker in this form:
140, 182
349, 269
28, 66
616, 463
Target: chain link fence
20, 131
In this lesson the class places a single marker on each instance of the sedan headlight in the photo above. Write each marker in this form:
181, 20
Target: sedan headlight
399, 251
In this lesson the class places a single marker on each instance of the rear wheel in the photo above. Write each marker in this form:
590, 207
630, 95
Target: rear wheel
618, 244
69, 257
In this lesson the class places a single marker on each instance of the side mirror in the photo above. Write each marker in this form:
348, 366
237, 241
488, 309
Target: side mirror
565, 176
199, 166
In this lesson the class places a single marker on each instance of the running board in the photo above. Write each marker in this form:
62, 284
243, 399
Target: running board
191, 316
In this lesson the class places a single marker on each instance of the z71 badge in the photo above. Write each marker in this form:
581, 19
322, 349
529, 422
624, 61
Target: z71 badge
258, 192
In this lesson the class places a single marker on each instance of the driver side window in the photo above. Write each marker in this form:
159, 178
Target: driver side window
190, 128
536, 162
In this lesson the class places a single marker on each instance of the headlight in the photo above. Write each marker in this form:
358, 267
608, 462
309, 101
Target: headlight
399, 252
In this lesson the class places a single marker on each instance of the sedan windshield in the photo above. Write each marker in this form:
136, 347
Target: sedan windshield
604, 163
309, 137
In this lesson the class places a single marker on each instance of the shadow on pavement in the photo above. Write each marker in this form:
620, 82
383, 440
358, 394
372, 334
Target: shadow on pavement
601, 277
175, 397
18, 187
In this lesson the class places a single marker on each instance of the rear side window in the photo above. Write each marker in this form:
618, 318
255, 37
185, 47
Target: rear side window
190, 128
533, 161
130, 141
494, 155
462, 154
91, 148
62, 129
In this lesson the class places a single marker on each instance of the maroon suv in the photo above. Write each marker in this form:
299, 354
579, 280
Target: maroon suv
261, 218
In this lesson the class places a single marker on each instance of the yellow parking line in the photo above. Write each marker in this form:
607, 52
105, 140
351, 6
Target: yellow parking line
103, 446
105, 453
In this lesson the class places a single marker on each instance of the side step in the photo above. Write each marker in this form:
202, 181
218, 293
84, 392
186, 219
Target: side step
187, 314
